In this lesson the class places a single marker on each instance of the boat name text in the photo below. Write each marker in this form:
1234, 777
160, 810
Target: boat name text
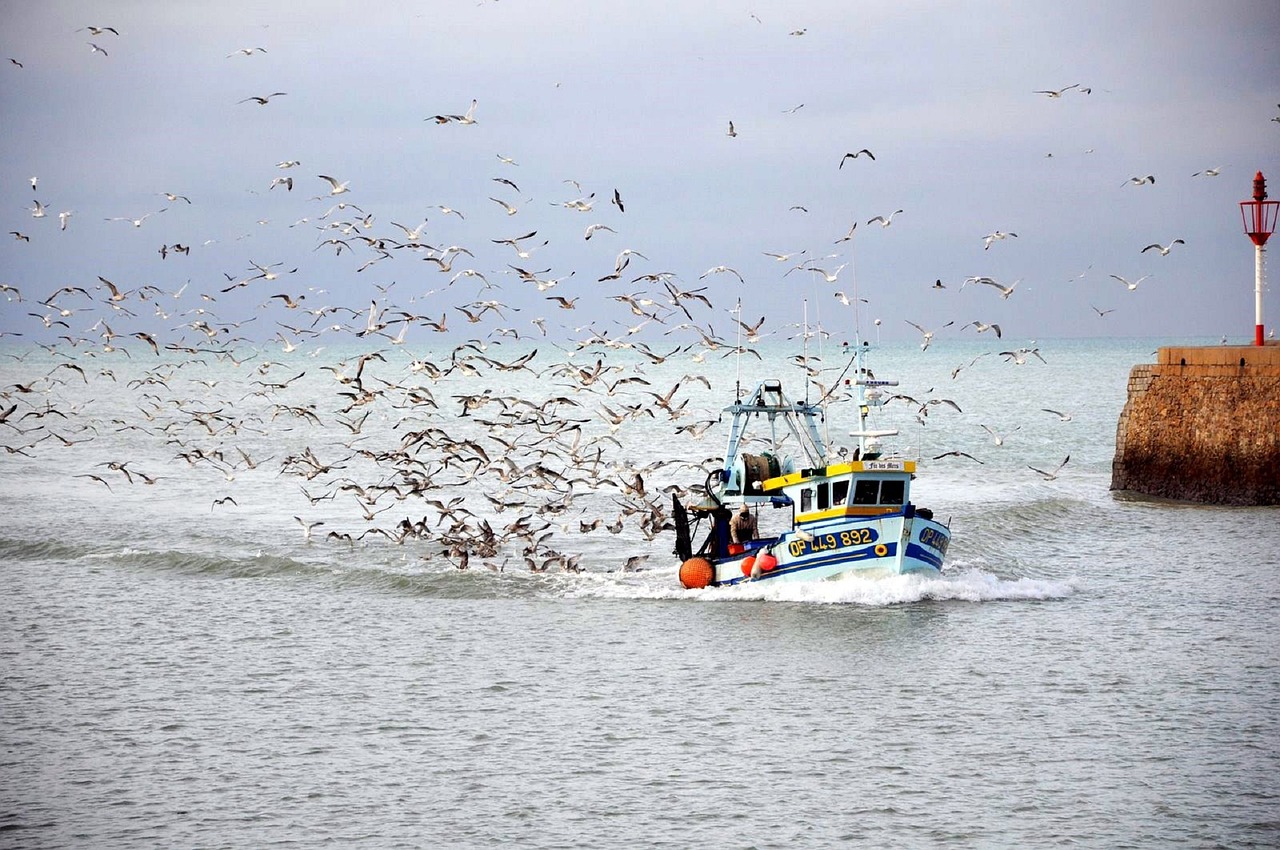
824, 542
934, 538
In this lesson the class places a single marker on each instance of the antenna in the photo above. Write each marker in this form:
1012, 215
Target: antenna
804, 360
737, 360
853, 272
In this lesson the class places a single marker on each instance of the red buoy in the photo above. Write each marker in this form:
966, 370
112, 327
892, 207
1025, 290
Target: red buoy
767, 561
747, 563
696, 573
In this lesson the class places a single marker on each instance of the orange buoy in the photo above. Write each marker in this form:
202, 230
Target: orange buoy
747, 563
696, 573
767, 561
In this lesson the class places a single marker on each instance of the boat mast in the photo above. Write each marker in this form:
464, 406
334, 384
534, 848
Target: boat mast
737, 378
804, 360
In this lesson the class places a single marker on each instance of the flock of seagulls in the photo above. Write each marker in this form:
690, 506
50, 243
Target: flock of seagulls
485, 457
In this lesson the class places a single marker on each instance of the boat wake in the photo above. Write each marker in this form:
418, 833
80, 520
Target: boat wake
960, 585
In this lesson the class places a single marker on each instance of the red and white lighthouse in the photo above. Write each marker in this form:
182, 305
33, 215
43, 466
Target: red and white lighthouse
1259, 217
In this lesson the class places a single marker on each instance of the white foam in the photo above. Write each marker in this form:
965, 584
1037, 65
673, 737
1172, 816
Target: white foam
967, 585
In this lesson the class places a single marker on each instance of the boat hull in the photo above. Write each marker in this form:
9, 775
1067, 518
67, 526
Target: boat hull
871, 547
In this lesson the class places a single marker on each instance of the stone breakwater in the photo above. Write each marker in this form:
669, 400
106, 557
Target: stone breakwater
1203, 425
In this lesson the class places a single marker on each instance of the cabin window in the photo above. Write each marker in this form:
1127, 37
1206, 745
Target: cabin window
806, 500
892, 492
865, 492
839, 492
824, 496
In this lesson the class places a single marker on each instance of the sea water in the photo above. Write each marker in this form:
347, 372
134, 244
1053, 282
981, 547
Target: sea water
182, 666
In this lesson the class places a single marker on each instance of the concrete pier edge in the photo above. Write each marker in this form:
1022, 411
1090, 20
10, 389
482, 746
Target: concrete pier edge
1202, 424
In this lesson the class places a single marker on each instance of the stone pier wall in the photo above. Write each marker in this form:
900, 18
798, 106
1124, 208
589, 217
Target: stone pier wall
1203, 425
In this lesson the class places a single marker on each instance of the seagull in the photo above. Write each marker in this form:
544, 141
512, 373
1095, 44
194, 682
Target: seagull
1131, 284
1019, 357
1049, 476
1058, 92
34, 181
507, 160
288, 163
956, 454
732, 132
1209, 172
93, 48
510, 210
98, 30
136, 222
1005, 291
338, 188
37, 211
938, 284
470, 116
928, 335
993, 237
1062, 417
1102, 313
829, 277
1163, 249
592, 228
247, 51
884, 222
174, 198
1139, 181
855, 155
721, 270
262, 100
996, 438
983, 328
63, 217
307, 526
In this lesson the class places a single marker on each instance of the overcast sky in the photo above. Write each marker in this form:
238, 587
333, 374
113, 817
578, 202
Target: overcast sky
637, 97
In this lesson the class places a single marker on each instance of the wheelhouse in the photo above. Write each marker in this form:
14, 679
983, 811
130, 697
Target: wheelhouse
854, 489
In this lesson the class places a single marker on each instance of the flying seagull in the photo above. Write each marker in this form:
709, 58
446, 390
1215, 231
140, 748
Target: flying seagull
957, 454
855, 155
1049, 476
1139, 181
1131, 284
1058, 92
1005, 291
994, 237
1163, 249
262, 100
338, 188
884, 222
928, 335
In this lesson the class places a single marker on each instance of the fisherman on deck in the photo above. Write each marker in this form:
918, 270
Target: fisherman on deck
743, 526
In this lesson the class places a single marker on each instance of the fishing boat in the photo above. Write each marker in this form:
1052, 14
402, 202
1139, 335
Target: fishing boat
850, 510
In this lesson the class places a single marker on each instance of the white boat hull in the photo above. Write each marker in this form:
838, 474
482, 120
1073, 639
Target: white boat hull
871, 547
